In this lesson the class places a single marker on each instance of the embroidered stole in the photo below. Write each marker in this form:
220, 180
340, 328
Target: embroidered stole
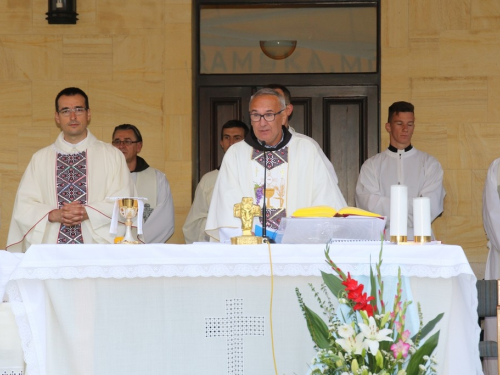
71, 186
276, 164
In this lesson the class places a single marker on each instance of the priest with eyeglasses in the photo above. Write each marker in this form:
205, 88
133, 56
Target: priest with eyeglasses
271, 164
158, 216
61, 198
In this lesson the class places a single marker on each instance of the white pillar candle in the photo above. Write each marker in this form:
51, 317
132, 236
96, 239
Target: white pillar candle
422, 219
399, 213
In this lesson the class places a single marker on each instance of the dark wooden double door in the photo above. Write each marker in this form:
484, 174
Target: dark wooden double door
342, 119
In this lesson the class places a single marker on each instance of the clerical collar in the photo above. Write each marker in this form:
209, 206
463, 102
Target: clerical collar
140, 165
252, 140
394, 149
75, 145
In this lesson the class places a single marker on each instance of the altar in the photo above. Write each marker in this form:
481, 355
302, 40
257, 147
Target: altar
206, 309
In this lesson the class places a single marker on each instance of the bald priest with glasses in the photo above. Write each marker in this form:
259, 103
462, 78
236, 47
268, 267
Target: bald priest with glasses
61, 198
295, 174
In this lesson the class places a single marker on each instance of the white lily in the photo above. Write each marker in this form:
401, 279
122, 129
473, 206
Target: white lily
352, 344
373, 335
345, 331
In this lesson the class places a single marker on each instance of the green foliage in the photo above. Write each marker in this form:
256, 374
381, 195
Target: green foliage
317, 327
333, 283
427, 328
418, 357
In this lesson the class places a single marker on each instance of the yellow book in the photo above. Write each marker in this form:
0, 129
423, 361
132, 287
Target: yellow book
326, 211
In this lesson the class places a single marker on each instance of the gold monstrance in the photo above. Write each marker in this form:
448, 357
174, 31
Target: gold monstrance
246, 211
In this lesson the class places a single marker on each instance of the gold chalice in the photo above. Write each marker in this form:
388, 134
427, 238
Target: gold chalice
269, 195
128, 210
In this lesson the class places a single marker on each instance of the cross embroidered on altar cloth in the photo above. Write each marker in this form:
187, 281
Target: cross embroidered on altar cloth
234, 327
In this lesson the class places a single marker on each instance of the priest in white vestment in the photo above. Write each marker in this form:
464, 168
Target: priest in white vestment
401, 164
296, 175
232, 132
62, 195
491, 222
158, 218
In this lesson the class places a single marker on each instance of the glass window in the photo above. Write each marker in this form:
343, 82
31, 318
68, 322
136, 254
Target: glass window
260, 39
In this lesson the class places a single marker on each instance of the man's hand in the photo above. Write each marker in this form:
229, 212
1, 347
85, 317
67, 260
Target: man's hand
69, 214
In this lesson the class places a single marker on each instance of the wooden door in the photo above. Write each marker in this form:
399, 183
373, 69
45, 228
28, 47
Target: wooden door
217, 106
344, 122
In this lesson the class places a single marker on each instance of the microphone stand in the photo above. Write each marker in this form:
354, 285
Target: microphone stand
264, 213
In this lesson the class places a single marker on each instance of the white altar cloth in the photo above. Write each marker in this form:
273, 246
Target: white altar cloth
188, 309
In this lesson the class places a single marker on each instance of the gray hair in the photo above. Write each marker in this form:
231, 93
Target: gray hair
267, 91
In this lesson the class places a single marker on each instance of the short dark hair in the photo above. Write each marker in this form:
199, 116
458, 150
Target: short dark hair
234, 124
72, 91
286, 92
128, 127
397, 107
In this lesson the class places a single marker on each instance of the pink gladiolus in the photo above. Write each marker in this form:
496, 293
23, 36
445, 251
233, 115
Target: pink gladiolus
398, 326
405, 335
400, 349
398, 307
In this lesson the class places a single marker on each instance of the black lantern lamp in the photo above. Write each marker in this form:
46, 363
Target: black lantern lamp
62, 12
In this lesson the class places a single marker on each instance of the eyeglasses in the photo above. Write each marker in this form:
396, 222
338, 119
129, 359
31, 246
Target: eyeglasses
255, 117
67, 111
126, 142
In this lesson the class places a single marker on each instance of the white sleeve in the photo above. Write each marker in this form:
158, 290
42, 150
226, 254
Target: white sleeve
194, 227
368, 194
160, 224
433, 187
491, 207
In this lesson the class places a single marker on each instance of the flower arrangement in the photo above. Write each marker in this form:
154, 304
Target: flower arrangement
368, 339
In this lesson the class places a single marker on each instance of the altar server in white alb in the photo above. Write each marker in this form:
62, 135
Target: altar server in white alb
296, 175
150, 183
232, 132
401, 164
62, 195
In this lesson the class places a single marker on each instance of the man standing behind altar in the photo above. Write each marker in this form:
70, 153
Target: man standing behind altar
150, 183
401, 164
296, 175
61, 198
232, 132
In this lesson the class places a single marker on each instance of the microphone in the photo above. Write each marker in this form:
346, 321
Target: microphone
264, 214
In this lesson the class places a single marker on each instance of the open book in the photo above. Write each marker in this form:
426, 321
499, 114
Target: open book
326, 211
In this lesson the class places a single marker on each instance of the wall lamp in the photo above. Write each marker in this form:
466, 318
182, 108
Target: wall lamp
62, 12
278, 49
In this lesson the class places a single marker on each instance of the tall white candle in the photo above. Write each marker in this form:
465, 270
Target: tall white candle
422, 219
399, 213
